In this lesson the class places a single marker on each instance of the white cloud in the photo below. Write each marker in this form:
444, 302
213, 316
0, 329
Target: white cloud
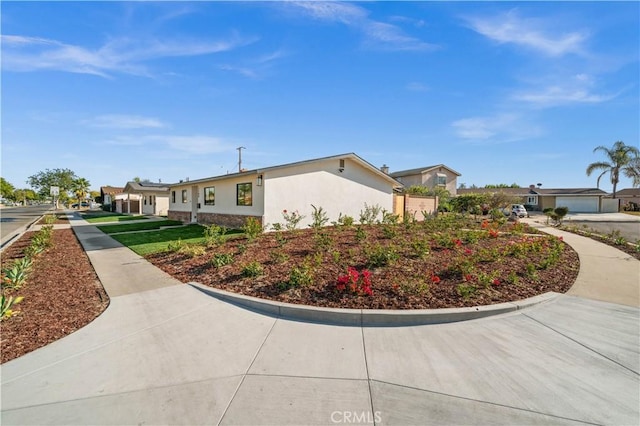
173, 146
577, 89
499, 128
116, 121
119, 55
379, 35
531, 33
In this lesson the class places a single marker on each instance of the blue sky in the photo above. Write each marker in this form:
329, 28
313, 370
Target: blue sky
502, 92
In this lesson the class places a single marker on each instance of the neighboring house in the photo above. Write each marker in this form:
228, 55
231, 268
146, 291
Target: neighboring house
153, 197
629, 195
340, 184
127, 203
578, 200
108, 196
439, 176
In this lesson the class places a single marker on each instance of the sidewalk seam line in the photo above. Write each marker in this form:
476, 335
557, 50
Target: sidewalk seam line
366, 366
246, 373
122, 393
486, 402
581, 344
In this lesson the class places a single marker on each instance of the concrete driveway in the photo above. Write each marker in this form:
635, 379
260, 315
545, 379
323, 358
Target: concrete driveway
606, 223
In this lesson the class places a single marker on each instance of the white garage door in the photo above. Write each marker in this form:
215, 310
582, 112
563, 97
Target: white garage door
578, 204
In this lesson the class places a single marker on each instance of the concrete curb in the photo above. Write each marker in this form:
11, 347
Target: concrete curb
370, 317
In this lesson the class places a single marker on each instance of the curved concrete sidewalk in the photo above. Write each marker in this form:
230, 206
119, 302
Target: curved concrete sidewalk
164, 353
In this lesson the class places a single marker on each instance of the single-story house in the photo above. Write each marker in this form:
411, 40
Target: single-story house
438, 176
127, 203
340, 184
628, 195
153, 197
578, 200
108, 196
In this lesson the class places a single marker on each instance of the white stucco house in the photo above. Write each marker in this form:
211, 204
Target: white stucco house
153, 198
338, 184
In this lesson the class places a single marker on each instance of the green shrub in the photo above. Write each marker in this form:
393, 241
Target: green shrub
319, 217
214, 235
192, 250
322, 240
361, 234
343, 221
15, 276
6, 305
252, 228
278, 256
301, 276
378, 255
252, 269
175, 246
221, 259
370, 214
466, 290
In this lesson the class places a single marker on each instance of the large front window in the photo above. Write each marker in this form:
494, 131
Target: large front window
244, 197
210, 196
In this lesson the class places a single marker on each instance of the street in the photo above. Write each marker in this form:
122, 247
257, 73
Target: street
12, 219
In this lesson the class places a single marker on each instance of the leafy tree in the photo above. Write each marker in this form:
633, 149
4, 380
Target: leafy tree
6, 189
621, 158
43, 181
94, 195
25, 195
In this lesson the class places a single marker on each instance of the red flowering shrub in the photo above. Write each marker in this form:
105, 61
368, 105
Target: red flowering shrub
357, 283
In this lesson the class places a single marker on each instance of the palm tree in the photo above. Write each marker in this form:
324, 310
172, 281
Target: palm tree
633, 172
621, 158
80, 188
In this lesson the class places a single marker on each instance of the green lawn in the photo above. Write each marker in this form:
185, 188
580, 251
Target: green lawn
155, 241
144, 226
109, 217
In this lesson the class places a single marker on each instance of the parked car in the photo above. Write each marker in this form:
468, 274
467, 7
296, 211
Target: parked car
517, 209
82, 204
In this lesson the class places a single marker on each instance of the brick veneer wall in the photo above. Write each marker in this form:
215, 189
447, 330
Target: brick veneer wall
228, 220
184, 217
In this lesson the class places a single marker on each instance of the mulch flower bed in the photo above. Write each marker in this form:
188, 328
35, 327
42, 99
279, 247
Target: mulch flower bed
61, 219
62, 294
630, 249
383, 266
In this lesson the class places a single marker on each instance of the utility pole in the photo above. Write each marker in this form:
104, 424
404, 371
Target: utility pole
240, 148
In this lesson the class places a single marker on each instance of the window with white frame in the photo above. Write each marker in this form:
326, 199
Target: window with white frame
441, 180
532, 199
184, 195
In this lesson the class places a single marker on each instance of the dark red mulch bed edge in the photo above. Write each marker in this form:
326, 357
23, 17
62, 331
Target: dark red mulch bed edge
62, 294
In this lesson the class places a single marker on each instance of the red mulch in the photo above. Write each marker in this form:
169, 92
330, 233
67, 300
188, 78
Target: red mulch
62, 294
405, 284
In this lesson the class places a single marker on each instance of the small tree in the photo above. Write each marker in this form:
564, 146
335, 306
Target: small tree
43, 181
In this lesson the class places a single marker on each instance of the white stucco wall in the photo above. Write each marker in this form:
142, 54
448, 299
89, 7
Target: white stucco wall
226, 196
321, 184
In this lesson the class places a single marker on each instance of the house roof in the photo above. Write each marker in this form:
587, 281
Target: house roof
146, 187
570, 191
421, 170
628, 192
351, 156
535, 191
110, 190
